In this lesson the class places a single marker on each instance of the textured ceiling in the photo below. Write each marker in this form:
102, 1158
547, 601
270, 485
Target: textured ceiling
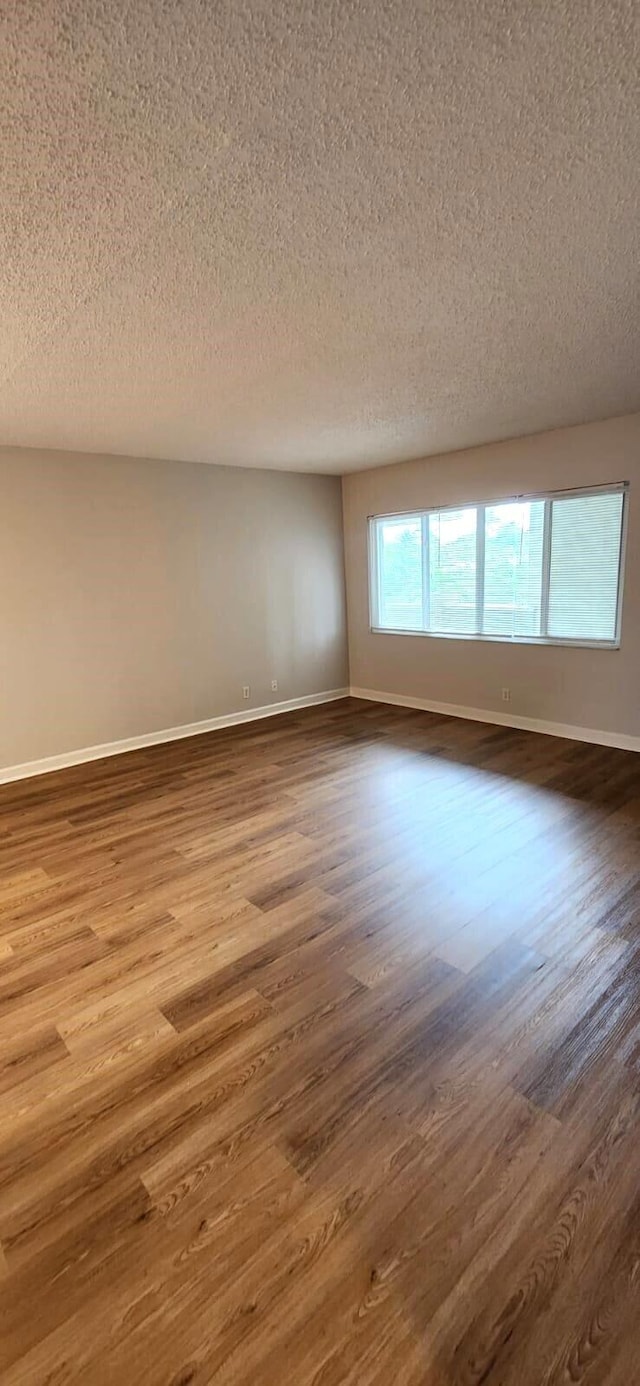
321, 234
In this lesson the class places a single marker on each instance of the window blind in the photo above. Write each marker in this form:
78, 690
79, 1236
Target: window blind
541, 568
452, 541
400, 574
585, 557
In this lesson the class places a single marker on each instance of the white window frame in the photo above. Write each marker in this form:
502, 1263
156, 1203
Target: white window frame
609, 488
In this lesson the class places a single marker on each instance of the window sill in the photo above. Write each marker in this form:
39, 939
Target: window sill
500, 639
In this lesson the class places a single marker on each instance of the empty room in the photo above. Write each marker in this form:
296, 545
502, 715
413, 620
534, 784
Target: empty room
320, 693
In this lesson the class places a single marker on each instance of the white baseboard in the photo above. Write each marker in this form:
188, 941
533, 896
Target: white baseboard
232, 719
504, 719
136, 743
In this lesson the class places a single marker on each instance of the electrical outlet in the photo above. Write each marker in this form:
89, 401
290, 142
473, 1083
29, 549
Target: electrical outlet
246, 691
274, 685
506, 695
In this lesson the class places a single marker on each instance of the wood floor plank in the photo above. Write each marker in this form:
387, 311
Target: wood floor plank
320, 1059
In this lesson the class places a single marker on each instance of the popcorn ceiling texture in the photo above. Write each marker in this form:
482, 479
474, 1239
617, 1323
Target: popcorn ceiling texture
316, 236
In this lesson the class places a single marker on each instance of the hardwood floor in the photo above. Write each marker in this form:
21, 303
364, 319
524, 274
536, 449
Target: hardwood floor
320, 1060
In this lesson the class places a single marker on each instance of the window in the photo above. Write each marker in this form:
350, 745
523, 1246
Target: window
544, 568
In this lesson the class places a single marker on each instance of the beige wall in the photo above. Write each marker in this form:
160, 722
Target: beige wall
597, 689
136, 596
